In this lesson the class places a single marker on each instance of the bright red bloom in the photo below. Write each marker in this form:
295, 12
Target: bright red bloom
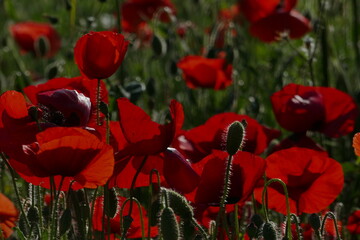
70, 153
247, 169
8, 216
198, 142
205, 72
136, 12
353, 224
59, 102
313, 180
135, 227
270, 28
99, 54
300, 108
26, 35
255, 10
136, 136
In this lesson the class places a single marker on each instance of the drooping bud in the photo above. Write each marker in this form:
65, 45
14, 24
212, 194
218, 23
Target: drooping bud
314, 221
168, 225
235, 137
33, 215
252, 230
65, 221
180, 205
269, 231
257, 220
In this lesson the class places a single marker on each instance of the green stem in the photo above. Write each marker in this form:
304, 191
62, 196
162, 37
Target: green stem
333, 217
54, 218
237, 230
92, 213
132, 199
264, 202
200, 228
149, 210
355, 33
15, 188
118, 14
224, 196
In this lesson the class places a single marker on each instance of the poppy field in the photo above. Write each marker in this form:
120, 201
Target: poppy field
169, 119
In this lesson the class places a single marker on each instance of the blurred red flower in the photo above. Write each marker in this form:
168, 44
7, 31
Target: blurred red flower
300, 108
198, 142
8, 215
71, 154
353, 224
27, 35
136, 12
136, 136
270, 28
115, 227
255, 10
99, 54
201, 72
313, 180
247, 170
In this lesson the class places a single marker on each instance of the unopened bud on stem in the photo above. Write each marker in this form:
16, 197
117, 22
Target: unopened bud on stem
235, 137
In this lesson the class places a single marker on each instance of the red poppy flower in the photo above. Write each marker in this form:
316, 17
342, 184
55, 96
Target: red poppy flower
247, 169
99, 54
198, 142
254, 10
205, 72
73, 154
82, 85
270, 28
26, 35
313, 180
136, 136
115, 228
353, 224
300, 108
8, 216
136, 12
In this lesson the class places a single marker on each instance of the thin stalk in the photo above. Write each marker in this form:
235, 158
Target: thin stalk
72, 16
149, 210
224, 196
15, 188
92, 213
134, 181
237, 230
355, 32
132, 199
118, 14
333, 217
54, 219
200, 228
264, 202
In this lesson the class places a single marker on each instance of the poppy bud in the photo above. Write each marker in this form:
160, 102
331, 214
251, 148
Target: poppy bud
33, 215
257, 220
269, 231
235, 137
168, 225
252, 230
314, 221
65, 221
180, 205
99, 54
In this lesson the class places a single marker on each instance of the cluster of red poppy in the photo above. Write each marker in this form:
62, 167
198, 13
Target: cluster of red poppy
56, 133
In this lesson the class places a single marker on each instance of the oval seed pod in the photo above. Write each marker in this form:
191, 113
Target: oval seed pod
269, 231
314, 221
180, 205
168, 225
235, 137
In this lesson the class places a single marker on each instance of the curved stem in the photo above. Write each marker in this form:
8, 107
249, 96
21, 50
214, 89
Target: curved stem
264, 202
333, 217
132, 199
